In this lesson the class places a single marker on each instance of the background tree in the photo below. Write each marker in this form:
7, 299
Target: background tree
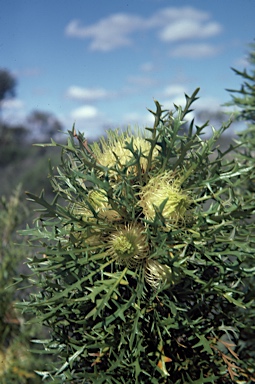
7, 86
13, 145
43, 126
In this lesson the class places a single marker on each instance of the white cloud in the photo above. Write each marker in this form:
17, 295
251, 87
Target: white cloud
176, 94
87, 94
242, 62
13, 104
173, 25
109, 33
139, 120
174, 90
178, 100
91, 121
194, 51
173, 94
184, 29
84, 113
210, 104
171, 14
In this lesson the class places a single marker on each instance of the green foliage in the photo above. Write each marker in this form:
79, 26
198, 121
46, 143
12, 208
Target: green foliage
244, 100
10, 216
144, 258
17, 363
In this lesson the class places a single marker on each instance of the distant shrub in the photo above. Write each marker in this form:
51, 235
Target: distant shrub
17, 364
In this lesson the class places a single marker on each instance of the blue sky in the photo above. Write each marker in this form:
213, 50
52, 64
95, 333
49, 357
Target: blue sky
101, 63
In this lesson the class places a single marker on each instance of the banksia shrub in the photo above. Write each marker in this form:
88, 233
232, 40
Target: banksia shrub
142, 256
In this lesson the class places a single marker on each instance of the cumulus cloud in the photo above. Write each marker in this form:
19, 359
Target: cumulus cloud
90, 121
185, 29
134, 119
13, 104
173, 94
172, 24
87, 94
84, 113
109, 33
170, 14
194, 51
242, 62
210, 104
174, 90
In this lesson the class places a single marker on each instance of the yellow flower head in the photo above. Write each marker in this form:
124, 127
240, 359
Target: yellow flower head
164, 187
114, 150
128, 246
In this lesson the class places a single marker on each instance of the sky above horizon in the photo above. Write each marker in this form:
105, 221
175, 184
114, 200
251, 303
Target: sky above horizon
101, 64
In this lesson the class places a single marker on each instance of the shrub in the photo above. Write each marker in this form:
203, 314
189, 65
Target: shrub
244, 102
17, 364
142, 257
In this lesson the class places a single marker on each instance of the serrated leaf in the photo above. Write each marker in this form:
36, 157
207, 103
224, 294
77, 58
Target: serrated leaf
203, 342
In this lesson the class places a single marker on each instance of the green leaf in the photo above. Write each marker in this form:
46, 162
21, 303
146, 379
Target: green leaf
203, 342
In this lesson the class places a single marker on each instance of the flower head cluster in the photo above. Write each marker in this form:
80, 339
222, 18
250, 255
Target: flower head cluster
123, 228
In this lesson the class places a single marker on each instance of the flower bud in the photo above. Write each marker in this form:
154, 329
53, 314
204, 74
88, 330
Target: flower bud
157, 274
99, 201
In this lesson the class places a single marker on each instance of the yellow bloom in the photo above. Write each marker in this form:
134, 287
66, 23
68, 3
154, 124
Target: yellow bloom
128, 246
113, 150
164, 187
